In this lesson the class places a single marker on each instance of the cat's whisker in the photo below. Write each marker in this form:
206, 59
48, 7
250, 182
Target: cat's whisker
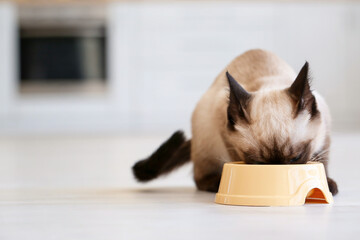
321, 156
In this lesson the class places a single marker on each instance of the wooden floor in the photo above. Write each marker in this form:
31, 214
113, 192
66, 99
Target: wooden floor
82, 188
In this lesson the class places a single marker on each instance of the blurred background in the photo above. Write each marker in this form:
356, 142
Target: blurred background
104, 66
89, 87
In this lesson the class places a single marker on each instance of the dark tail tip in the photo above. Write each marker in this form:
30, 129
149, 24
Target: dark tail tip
142, 173
151, 167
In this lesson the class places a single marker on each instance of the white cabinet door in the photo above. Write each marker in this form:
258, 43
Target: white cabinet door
171, 53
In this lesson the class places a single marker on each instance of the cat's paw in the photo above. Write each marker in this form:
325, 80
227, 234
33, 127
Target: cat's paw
332, 186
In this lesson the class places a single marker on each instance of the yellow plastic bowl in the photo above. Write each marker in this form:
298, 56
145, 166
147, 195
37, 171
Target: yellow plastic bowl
273, 185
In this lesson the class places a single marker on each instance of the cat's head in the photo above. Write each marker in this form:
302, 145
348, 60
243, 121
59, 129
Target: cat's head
278, 126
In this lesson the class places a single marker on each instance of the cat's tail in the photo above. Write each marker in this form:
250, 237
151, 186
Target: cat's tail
172, 154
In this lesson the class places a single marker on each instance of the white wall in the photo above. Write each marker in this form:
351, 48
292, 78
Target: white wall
174, 51
163, 56
7, 58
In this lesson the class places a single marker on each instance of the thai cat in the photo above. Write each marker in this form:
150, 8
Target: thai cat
257, 111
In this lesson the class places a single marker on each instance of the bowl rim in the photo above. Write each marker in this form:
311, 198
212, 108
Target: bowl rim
242, 163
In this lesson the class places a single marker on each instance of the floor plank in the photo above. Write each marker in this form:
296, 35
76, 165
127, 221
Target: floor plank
82, 188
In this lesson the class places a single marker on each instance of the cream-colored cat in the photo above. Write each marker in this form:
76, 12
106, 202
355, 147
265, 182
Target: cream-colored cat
258, 111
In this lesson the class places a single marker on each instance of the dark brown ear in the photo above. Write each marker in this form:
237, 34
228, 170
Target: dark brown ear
301, 93
238, 101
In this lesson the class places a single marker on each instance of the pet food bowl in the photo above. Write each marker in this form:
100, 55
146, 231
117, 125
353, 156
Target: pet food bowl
273, 185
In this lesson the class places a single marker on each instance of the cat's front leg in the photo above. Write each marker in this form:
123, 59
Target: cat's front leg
331, 183
207, 176
323, 157
332, 186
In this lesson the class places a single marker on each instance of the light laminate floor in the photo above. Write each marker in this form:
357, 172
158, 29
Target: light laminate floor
82, 188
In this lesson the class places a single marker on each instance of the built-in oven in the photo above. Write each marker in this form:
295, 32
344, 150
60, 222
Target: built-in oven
62, 49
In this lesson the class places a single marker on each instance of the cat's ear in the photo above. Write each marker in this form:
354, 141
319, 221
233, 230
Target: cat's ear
238, 102
300, 91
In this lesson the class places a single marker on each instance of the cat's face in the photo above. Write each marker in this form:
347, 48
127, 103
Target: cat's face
275, 126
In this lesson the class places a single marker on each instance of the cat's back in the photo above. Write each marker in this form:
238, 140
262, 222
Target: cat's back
255, 66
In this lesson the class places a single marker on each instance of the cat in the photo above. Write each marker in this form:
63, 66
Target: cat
257, 111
